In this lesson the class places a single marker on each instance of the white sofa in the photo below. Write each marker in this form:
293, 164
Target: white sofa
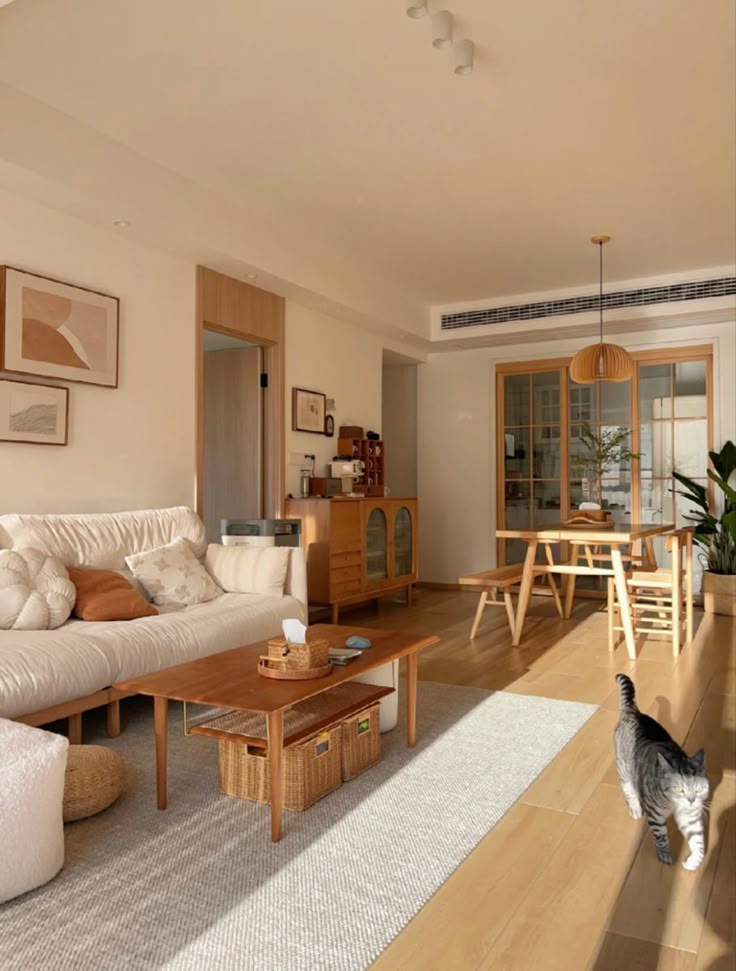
63, 672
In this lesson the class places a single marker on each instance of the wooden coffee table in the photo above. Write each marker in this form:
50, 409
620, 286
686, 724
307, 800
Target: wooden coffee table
230, 680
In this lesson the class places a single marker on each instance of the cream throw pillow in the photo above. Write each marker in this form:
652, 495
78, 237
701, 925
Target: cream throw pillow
249, 569
172, 575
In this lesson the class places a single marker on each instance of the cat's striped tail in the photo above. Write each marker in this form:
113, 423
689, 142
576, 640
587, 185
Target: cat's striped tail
627, 692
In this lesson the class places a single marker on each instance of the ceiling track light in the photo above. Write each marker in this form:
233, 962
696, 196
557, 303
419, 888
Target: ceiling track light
417, 8
442, 29
464, 57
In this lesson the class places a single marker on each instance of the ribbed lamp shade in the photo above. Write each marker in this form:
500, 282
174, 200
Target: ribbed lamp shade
601, 362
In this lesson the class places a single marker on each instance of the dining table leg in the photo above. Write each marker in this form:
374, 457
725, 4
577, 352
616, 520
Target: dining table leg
570, 581
622, 591
525, 590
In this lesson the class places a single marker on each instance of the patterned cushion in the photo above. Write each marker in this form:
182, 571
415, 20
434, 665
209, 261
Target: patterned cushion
172, 575
35, 591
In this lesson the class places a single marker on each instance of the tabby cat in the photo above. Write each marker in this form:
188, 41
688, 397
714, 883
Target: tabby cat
658, 780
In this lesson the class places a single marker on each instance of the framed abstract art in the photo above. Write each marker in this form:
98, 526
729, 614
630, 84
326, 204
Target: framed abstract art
57, 330
36, 414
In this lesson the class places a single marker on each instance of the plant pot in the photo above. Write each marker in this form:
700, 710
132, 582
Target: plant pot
719, 593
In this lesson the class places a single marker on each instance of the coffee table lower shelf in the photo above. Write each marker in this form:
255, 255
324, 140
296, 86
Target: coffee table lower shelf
300, 721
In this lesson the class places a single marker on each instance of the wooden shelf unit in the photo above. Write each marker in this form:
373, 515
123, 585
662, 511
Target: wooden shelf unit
371, 453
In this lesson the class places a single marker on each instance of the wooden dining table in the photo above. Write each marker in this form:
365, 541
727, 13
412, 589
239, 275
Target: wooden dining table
585, 542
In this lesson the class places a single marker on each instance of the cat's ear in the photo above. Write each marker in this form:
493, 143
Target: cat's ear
698, 760
664, 763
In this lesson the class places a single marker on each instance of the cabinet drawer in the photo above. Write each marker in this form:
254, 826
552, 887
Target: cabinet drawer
345, 559
345, 573
345, 588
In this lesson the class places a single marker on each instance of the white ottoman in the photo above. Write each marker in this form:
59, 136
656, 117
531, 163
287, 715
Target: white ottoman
32, 766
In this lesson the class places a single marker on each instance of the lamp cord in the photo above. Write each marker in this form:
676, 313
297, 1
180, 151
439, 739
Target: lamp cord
600, 291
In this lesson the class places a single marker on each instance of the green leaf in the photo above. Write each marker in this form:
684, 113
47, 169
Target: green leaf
729, 493
724, 462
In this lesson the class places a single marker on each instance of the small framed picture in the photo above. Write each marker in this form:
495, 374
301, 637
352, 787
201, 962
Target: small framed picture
36, 414
308, 411
329, 426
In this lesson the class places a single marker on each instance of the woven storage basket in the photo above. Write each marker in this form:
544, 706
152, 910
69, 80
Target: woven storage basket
312, 768
313, 654
93, 781
360, 741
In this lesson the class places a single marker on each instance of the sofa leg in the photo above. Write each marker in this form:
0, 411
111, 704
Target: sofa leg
113, 719
74, 728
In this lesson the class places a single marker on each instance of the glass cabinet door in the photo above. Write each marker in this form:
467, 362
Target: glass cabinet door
403, 565
376, 546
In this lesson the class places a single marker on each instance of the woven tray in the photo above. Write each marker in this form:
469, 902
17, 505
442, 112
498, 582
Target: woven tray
267, 669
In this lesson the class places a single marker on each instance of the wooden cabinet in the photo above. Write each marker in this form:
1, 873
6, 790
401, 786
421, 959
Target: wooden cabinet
357, 548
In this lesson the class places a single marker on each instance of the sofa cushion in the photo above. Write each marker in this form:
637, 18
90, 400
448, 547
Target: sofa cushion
248, 569
102, 539
172, 575
35, 591
107, 595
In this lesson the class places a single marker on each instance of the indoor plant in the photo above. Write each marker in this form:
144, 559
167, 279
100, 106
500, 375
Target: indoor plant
716, 534
605, 449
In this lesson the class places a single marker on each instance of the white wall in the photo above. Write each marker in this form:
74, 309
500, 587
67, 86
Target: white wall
456, 434
129, 447
342, 361
400, 428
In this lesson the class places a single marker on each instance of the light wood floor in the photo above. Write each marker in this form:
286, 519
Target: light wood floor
567, 880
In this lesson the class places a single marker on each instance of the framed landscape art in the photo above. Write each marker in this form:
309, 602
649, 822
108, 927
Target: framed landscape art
57, 330
308, 411
37, 414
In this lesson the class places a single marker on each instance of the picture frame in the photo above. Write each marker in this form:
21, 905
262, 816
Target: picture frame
329, 426
53, 329
308, 411
33, 414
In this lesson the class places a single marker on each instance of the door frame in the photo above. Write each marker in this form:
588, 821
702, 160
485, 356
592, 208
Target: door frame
237, 309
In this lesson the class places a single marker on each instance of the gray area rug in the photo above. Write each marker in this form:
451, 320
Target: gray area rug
201, 886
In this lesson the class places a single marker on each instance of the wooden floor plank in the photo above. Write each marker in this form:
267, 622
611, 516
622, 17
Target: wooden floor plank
480, 897
559, 925
567, 782
666, 904
620, 953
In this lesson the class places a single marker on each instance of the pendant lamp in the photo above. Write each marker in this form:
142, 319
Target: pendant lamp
601, 362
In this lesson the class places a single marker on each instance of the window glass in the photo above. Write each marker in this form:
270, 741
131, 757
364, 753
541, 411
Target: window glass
516, 399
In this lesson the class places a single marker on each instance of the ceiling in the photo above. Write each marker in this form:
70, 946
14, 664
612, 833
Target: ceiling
342, 148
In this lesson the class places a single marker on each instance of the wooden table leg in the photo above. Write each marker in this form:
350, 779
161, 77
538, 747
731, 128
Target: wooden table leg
161, 723
622, 591
478, 613
275, 758
525, 590
570, 582
411, 699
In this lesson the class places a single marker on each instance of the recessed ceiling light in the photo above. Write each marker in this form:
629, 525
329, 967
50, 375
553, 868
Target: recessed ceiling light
121, 223
416, 9
252, 276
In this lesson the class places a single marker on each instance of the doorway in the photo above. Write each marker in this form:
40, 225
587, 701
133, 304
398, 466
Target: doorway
233, 479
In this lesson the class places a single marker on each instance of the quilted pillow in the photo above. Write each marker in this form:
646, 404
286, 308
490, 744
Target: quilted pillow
249, 569
172, 575
35, 591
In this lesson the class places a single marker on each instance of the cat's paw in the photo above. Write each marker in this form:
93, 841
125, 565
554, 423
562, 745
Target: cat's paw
635, 811
664, 856
692, 862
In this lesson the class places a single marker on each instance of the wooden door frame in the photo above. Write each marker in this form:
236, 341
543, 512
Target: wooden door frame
237, 309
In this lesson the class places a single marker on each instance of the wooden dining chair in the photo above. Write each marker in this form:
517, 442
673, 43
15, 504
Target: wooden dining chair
661, 599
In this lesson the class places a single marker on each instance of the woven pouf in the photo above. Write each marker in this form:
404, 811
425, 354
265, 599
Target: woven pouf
94, 780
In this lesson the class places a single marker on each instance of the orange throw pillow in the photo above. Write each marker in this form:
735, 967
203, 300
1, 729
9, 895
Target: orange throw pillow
107, 595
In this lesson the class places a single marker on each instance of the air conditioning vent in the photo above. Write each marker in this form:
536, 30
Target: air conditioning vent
577, 305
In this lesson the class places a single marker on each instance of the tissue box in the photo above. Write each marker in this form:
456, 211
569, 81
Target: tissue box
298, 657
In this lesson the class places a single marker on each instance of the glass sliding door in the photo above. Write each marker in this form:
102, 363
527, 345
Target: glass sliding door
531, 406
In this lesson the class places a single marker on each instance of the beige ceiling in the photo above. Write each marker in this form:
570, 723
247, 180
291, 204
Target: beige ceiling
337, 122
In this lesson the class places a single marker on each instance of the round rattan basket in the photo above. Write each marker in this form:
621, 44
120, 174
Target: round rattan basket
93, 781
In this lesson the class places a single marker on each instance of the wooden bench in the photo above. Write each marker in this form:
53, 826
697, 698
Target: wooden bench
503, 578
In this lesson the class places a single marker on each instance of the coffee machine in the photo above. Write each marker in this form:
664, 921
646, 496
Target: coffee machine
348, 472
